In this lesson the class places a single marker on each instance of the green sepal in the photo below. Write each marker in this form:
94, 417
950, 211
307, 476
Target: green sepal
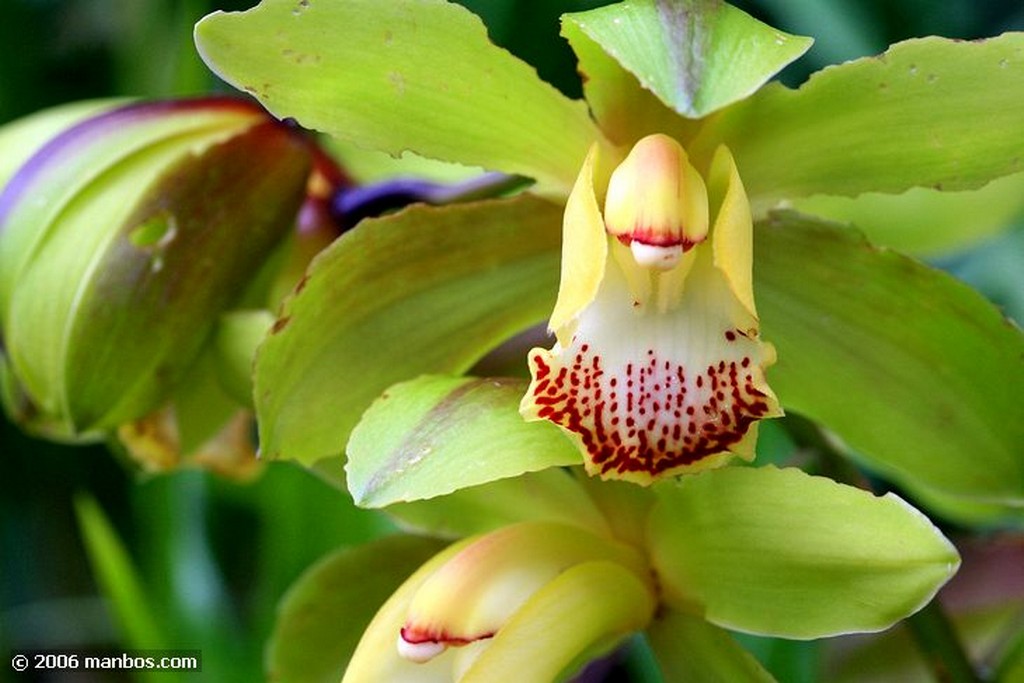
925, 221
403, 75
437, 434
696, 56
780, 552
426, 290
914, 370
549, 495
929, 112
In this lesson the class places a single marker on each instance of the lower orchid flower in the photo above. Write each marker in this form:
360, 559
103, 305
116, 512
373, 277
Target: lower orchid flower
581, 565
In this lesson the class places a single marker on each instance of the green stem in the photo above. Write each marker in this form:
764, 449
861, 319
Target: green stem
930, 627
940, 646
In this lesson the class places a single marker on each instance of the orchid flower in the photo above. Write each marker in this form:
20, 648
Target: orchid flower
664, 185
877, 347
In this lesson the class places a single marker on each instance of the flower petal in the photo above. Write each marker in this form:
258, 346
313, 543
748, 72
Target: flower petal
695, 56
584, 249
437, 434
324, 613
472, 595
930, 112
450, 282
401, 75
591, 605
779, 552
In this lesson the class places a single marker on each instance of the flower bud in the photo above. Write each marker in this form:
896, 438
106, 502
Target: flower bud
122, 240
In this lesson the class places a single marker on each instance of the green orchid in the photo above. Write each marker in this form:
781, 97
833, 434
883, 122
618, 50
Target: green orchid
667, 184
911, 369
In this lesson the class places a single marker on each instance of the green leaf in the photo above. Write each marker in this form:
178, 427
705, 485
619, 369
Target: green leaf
924, 220
323, 615
690, 649
779, 552
912, 368
696, 56
929, 112
548, 495
401, 75
435, 435
120, 583
426, 290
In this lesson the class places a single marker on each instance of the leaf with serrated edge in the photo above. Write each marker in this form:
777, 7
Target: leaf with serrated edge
401, 75
929, 112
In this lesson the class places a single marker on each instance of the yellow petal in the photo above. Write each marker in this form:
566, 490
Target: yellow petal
474, 593
733, 235
376, 658
591, 605
584, 251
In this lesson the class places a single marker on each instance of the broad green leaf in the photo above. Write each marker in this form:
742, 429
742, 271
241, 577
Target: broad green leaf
401, 75
929, 112
551, 495
437, 434
426, 290
912, 368
779, 552
323, 615
924, 220
690, 649
696, 56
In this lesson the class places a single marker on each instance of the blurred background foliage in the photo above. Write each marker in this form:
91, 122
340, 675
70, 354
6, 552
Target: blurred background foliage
212, 557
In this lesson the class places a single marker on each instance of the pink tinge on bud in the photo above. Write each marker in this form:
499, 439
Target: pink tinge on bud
657, 203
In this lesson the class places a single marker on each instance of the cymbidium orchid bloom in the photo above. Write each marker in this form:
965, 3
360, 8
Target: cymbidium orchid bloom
662, 182
434, 290
659, 365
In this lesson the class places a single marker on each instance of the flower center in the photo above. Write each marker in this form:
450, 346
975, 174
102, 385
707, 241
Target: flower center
662, 370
